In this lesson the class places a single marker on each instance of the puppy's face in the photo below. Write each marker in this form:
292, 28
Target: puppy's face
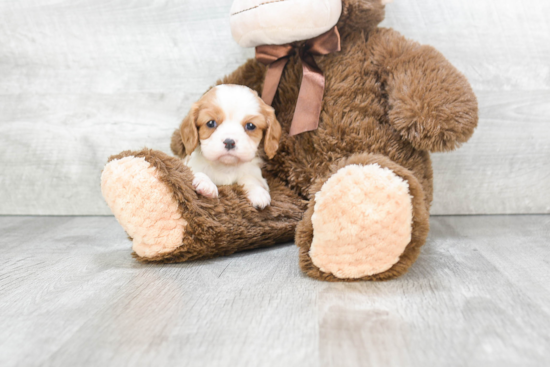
229, 121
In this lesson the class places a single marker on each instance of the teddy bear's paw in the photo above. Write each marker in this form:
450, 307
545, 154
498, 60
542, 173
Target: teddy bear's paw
362, 221
143, 205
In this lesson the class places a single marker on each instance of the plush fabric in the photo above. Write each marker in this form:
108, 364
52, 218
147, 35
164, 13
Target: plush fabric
362, 221
143, 205
214, 227
276, 22
388, 103
419, 227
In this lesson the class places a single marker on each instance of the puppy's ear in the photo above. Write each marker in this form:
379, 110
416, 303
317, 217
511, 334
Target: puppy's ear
177, 145
273, 133
188, 130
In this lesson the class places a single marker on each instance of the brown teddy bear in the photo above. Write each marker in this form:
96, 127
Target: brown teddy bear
360, 107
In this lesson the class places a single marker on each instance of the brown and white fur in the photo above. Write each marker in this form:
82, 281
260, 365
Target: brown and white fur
354, 194
221, 135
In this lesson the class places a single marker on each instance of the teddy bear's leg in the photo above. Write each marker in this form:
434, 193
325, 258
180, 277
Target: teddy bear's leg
152, 197
366, 220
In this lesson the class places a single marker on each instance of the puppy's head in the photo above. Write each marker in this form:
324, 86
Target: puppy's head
229, 122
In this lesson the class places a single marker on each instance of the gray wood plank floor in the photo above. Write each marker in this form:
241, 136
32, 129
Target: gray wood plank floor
71, 295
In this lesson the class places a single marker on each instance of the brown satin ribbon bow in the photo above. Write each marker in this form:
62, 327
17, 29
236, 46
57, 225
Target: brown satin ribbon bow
310, 98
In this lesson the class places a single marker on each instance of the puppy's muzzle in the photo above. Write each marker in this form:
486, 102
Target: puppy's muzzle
229, 144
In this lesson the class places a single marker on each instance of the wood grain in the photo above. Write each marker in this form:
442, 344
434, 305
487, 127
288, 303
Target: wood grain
84, 80
71, 295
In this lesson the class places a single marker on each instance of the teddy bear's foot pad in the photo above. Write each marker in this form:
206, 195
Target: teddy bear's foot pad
143, 205
362, 221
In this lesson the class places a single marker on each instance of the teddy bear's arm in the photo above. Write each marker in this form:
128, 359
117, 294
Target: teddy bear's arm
250, 74
431, 103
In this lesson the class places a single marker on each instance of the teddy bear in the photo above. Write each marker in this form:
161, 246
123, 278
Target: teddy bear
361, 108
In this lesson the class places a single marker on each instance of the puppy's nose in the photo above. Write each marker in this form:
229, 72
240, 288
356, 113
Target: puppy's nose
229, 144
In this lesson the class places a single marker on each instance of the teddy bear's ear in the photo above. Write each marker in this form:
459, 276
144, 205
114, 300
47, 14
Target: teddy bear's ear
362, 14
273, 132
188, 130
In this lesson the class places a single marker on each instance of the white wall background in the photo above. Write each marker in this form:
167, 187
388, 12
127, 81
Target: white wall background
83, 79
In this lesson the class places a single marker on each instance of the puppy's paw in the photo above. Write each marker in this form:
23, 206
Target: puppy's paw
259, 197
204, 186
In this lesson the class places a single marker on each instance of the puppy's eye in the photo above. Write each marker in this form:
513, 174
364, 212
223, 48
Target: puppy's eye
250, 126
211, 124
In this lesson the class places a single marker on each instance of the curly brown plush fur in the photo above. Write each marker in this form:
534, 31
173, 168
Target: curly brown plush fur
218, 227
388, 101
421, 226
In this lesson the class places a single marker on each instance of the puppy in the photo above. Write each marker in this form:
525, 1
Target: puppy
229, 122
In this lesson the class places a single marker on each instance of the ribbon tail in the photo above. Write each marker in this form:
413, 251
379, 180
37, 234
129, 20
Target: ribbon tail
310, 98
272, 79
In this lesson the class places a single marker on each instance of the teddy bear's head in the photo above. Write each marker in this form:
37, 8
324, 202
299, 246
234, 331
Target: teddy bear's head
277, 22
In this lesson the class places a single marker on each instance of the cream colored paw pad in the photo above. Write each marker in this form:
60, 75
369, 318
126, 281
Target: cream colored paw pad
143, 206
362, 221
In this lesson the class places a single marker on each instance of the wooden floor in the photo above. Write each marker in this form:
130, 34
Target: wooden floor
71, 295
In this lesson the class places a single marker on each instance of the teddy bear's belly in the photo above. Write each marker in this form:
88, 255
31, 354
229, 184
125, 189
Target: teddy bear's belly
354, 120
303, 158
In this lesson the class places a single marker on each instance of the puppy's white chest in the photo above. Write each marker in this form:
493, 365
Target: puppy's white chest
222, 175
209, 175
219, 174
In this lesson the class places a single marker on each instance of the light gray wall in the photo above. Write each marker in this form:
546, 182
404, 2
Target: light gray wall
81, 80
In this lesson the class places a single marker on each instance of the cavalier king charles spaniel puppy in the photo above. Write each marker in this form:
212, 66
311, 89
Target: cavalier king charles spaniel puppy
221, 135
